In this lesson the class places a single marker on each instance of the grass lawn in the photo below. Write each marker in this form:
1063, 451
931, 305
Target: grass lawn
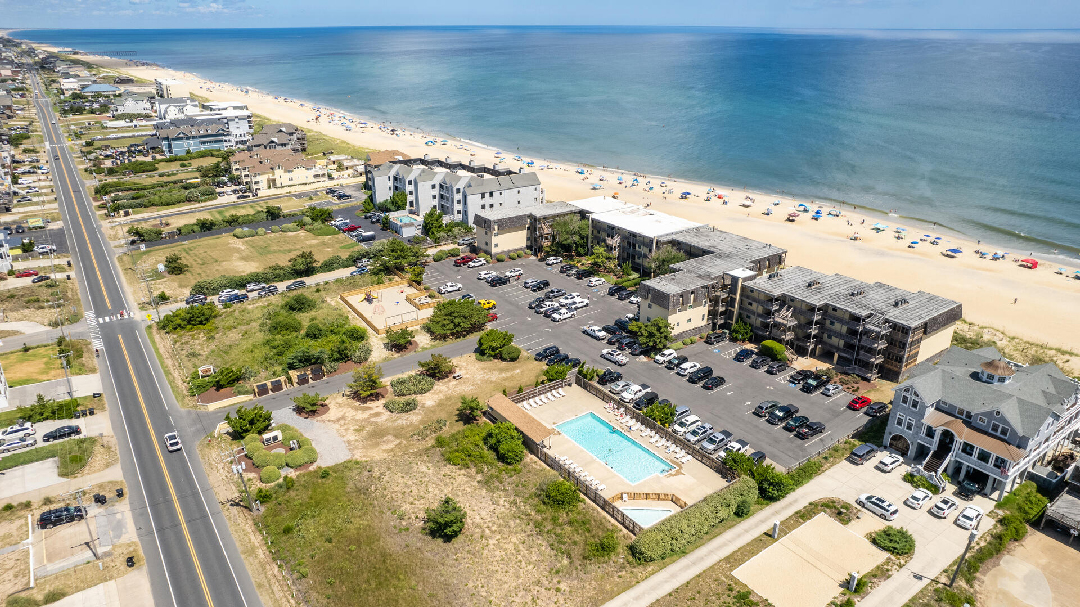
72, 455
196, 163
33, 302
118, 143
38, 364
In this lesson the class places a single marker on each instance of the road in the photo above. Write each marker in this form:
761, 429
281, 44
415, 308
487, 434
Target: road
191, 557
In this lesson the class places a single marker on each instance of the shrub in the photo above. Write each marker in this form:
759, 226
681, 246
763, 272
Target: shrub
556, 372
743, 508
471, 409
466, 448
362, 353
189, 318
454, 252
399, 339
500, 257
430, 429
301, 457
921, 482
276, 229
300, 303
606, 546
412, 384
895, 540
438, 256
264, 495
289, 227
438, 367
773, 350
1025, 501
269, 475
505, 440
308, 403
676, 532
253, 421
445, 521
401, 405
492, 342
510, 353
773, 485
559, 494
661, 414
804, 473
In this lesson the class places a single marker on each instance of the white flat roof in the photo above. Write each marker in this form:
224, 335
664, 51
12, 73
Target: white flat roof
644, 221
599, 204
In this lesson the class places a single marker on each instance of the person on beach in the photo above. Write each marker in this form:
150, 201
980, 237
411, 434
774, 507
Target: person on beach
1015, 299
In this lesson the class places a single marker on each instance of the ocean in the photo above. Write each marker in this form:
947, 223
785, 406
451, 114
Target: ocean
977, 131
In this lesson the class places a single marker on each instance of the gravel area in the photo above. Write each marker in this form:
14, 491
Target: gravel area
332, 450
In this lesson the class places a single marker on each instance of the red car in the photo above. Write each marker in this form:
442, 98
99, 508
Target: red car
858, 403
464, 259
493, 316
25, 273
350, 228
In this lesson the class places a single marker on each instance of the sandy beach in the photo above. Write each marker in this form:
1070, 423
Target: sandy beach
1037, 304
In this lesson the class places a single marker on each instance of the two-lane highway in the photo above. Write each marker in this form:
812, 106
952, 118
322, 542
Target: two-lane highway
191, 556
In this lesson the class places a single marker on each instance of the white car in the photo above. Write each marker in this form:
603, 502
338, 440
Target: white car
613, 355
686, 424
44, 249
32, 190
620, 386
595, 281
569, 298
562, 315
889, 463
944, 507
255, 286
550, 261
172, 442
832, 389
630, 394
594, 332
688, 368
479, 262
226, 292
577, 304
18, 430
918, 499
449, 287
634, 299
738, 446
513, 273
878, 505
18, 443
486, 274
969, 518
663, 357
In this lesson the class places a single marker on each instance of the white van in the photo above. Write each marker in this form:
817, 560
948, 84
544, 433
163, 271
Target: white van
686, 424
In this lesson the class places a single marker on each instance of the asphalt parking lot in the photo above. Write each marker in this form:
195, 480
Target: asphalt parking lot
729, 407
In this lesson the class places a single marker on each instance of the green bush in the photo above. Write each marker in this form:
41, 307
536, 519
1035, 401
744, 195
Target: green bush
438, 256
505, 440
264, 495
921, 482
362, 353
445, 521
289, 227
773, 350
510, 353
53, 595
18, 600
605, 547
454, 252
269, 475
189, 318
301, 457
556, 372
500, 257
559, 494
1025, 501
466, 448
412, 384
895, 540
401, 405
743, 508
804, 473
678, 531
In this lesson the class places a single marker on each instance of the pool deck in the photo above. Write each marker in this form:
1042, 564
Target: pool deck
691, 481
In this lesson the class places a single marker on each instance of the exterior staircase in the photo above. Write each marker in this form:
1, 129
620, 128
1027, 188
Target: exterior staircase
933, 465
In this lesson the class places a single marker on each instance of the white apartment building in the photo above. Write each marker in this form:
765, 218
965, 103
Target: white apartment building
167, 88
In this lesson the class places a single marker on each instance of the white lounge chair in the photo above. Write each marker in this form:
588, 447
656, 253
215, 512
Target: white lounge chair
560, 392
601, 487
671, 448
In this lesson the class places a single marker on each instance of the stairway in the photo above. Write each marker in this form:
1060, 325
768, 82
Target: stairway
933, 463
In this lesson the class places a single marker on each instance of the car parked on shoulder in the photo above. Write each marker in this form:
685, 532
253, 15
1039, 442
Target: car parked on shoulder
969, 518
255, 286
38, 279
296, 284
26, 273
889, 463
944, 507
195, 299
810, 429
878, 505
918, 499
15, 444
19, 430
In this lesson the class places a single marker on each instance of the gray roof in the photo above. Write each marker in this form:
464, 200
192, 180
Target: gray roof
1026, 401
176, 101
711, 240
508, 182
678, 282
550, 209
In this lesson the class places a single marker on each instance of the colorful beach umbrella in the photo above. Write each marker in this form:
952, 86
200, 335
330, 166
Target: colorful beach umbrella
914, 242
955, 251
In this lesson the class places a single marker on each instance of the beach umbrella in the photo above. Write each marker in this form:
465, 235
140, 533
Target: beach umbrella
937, 238
914, 242
955, 251
686, 193
901, 229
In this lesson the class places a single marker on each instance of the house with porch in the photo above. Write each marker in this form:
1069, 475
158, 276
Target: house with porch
974, 416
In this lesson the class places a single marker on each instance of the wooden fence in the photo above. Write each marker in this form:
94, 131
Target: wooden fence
587, 490
649, 497
541, 389
710, 462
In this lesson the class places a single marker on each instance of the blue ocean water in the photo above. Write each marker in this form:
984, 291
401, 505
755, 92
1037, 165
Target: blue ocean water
977, 131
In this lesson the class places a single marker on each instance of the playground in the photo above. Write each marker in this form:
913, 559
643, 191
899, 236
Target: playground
388, 305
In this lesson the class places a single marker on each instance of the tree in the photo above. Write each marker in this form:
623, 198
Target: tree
896, 540
660, 262
366, 381
741, 331
26, 245
303, 263
602, 259
773, 350
560, 494
471, 409
272, 212
438, 367
391, 255
384, 222
433, 223
492, 342
416, 274
505, 440
255, 420
661, 414
445, 521
571, 235
653, 335
174, 265
399, 339
455, 318
319, 214
556, 372
399, 201
773, 485
309, 403
205, 224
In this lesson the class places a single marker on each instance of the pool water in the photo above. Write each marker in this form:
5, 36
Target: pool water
619, 452
647, 517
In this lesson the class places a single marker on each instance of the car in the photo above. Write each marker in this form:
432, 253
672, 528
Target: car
545, 307
493, 316
765, 407
780, 415
554, 293
714, 442
528, 283
566, 267
918, 499
468, 240
700, 375
810, 429
619, 386
558, 359
294, 285
878, 505
635, 349
577, 304
665, 356
16, 444
857, 403
551, 309
467, 297
513, 273
358, 272
44, 249
646, 400
60, 516
536, 302
699, 433
624, 295
676, 362
876, 409
739, 446
743, 355
614, 356
550, 261
814, 384
464, 260
234, 298
969, 517
498, 281
540, 285
862, 454
38, 279
595, 281
686, 424
832, 389
269, 291
563, 314
622, 342
757, 457
172, 441
19, 430
631, 393
61, 433
634, 299
594, 332
479, 262
713, 382
486, 274
889, 463
487, 304
944, 507
716, 337
616, 289
195, 299
26, 273
776, 368
623, 324
967, 490
796, 422
759, 362
254, 286
350, 228
569, 298
688, 368
546, 352
800, 376
608, 377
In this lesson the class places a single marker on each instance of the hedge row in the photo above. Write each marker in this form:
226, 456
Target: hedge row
401, 405
676, 532
412, 384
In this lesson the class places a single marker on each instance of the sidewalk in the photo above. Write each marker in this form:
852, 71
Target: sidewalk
35, 334
132, 589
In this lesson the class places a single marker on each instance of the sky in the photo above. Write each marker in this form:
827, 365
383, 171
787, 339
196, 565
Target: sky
786, 14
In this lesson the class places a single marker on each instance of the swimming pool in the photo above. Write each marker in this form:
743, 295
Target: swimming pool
621, 453
647, 517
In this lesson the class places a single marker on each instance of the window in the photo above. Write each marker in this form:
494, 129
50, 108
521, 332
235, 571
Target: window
960, 412
928, 431
905, 399
910, 424
999, 462
984, 456
900, 420
967, 449
967, 415
982, 421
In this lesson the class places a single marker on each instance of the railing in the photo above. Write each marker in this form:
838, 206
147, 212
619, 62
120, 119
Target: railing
710, 462
588, 491
873, 342
872, 357
541, 389
649, 497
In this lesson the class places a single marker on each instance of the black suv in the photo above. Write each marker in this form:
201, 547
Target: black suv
645, 400
876, 409
814, 384
759, 362
196, 299
624, 295
676, 362
612, 330
622, 324
743, 355
498, 281
61, 433
540, 286
615, 289
780, 415
557, 359
608, 377
566, 267
546, 352
536, 302
810, 429
799, 377
700, 374
716, 337
59, 516
296, 284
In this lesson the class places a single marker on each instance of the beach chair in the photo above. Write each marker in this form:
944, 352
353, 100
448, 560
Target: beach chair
671, 448
560, 392
601, 487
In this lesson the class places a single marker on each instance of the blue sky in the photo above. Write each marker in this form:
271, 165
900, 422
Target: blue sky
869, 14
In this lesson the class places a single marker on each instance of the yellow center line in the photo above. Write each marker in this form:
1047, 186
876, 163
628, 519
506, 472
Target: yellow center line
168, 481
59, 137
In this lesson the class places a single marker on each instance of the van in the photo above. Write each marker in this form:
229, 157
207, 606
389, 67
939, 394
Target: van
685, 424
862, 454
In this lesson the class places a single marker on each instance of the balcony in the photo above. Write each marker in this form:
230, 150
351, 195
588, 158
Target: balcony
873, 342
871, 357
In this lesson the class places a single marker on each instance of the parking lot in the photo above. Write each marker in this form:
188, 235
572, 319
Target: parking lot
728, 407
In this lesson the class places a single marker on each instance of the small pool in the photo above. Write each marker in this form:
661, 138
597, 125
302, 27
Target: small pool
618, 451
647, 517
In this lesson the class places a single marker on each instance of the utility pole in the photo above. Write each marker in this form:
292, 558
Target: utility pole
142, 276
971, 540
239, 470
30, 544
63, 365
78, 498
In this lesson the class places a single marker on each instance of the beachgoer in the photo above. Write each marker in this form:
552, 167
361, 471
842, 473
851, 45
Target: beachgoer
1016, 299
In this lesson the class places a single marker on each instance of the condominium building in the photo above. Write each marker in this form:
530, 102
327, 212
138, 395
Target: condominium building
270, 169
131, 103
189, 136
175, 108
518, 228
980, 418
282, 136
630, 232
166, 87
